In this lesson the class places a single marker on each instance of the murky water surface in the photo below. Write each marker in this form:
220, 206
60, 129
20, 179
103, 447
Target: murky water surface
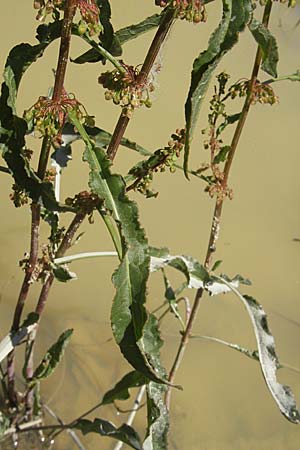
225, 404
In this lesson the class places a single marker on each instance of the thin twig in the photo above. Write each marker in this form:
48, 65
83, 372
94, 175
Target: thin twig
151, 56
215, 227
131, 417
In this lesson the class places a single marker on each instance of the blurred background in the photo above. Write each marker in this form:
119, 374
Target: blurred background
225, 403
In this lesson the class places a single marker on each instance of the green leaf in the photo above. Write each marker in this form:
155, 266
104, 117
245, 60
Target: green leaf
222, 155
121, 390
216, 265
4, 424
128, 315
236, 15
62, 273
157, 413
52, 357
268, 45
13, 129
133, 31
196, 275
268, 358
119, 38
124, 433
229, 120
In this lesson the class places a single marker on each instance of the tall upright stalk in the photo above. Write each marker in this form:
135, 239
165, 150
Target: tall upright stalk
69, 12
215, 226
150, 58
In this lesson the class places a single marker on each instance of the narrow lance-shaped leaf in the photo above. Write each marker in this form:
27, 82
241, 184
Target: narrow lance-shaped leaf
120, 37
268, 45
128, 316
12, 339
157, 413
124, 433
236, 15
52, 357
196, 275
269, 362
121, 390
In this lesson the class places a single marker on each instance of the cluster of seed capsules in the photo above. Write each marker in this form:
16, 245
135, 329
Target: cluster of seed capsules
124, 89
162, 159
89, 11
191, 10
48, 116
261, 92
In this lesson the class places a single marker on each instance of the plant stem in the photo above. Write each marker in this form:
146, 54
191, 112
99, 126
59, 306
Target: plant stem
215, 227
151, 56
69, 12
87, 255
64, 246
28, 279
131, 417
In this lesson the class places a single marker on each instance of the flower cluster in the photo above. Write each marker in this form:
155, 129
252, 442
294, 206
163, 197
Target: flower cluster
18, 196
85, 202
90, 17
158, 162
191, 10
48, 116
46, 7
261, 92
89, 12
124, 89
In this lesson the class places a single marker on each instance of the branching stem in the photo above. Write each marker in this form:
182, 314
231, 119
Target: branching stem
70, 8
215, 227
151, 56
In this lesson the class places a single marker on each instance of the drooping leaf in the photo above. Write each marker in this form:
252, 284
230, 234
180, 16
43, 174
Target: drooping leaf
52, 357
268, 45
128, 316
157, 413
268, 358
124, 433
196, 275
170, 296
12, 339
121, 390
236, 15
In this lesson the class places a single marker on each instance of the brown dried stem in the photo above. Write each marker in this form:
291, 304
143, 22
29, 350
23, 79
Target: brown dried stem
215, 227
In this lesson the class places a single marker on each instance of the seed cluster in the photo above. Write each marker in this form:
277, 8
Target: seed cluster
191, 10
88, 9
48, 116
85, 202
125, 90
261, 92
161, 160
